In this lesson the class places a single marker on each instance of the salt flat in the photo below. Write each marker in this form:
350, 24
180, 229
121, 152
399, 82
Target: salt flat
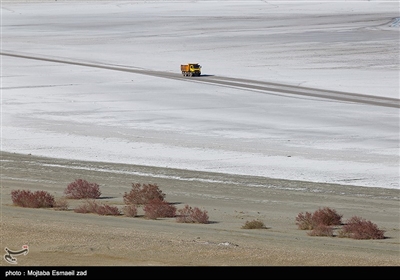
86, 113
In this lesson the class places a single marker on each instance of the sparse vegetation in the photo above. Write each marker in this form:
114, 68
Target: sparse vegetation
91, 206
304, 221
359, 228
142, 194
61, 204
192, 215
37, 199
327, 217
157, 208
130, 210
323, 216
321, 230
254, 224
321, 223
82, 189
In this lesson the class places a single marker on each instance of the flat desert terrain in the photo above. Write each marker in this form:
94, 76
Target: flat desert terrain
66, 238
297, 109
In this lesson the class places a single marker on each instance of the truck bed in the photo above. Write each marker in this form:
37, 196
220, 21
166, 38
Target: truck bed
185, 68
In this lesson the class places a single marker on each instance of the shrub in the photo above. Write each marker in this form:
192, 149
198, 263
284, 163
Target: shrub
321, 230
142, 194
254, 224
157, 208
82, 189
91, 206
37, 199
88, 207
325, 216
359, 228
61, 204
105, 209
192, 215
130, 210
304, 221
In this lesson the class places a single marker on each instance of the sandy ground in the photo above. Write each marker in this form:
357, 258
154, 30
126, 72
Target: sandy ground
66, 238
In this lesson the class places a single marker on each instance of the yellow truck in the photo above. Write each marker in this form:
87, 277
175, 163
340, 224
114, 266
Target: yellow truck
191, 69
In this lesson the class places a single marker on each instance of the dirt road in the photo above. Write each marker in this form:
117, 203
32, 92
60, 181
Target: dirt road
247, 84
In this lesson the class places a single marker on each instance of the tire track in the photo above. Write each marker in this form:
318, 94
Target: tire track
245, 84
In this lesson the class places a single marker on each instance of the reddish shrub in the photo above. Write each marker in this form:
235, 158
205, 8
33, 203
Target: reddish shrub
37, 199
142, 194
130, 210
192, 215
325, 216
157, 208
105, 209
304, 221
321, 230
359, 228
82, 189
91, 206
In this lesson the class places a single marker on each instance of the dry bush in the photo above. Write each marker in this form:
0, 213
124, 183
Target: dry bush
130, 210
105, 209
192, 215
359, 228
157, 208
88, 207
82, 189
61, 204
325, 216
321, 230
91, 206
142, 194
37, 199
304, 221
254, 224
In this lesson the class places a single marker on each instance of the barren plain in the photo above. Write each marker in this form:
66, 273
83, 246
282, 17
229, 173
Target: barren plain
297, 109
66, 238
